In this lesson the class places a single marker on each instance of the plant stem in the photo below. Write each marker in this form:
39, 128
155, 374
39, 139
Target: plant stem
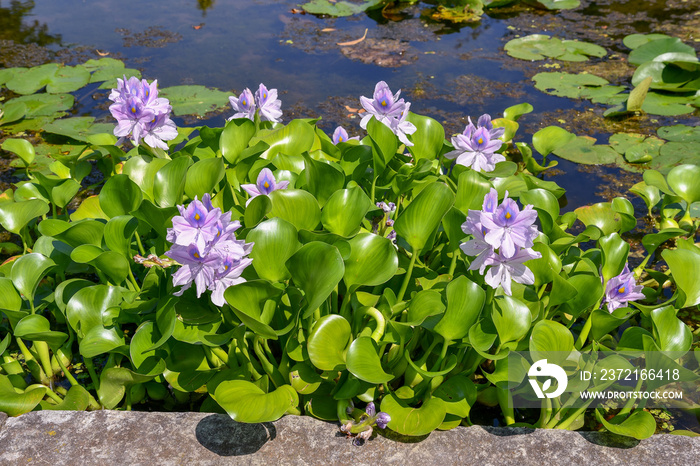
453, 264
133, 280
42, 350
138, 241
91, 370
374, 185
583, 336
407, 278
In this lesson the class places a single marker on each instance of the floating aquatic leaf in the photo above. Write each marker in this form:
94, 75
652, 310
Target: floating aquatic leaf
635, 40
652, 49
78, 128
567, 84
539, 46
584, 150
341, 8
195, 100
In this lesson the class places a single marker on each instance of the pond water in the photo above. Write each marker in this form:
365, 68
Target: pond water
448, 70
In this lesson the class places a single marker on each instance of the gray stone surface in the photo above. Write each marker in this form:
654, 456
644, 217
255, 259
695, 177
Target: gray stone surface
137, 438
3, 418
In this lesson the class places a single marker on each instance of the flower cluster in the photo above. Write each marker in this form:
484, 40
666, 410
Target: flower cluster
205, 245
390, 110
362, 427
340, 135
476, 147
141, 114
265, 101
264, 185
502, 238
622, 289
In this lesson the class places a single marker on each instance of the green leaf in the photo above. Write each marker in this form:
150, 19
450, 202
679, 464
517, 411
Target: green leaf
422, 216
235, 138
256, 210
294, 139
296, 206
35, 327
407, 420
22, 148
685, 268
584, 150
683, 179
340, 8
567, 84
316, 268
328, 342
671, 334
250, 301
363, 361
246, 402
142, 171
511, 318
601, 215
145, 351
275, 241
169, 183
203, 177
14, 216
78, 128
384, 144
589, 290
27, 272
459, 394
372, 261
194, 99
647, 52
28, 81
322, 179
471, 190
552, 340
428, 138
118, 232
77, 399
465, 299
114, 382
345, 210
12, 111
635, 40
615, 252
99, 340
551, 138
45, 104
85, 308
14, 403
640, 425
120, 196
68, 79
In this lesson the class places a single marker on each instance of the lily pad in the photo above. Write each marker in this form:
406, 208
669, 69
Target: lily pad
539, 46
45, 104
654, 48
680, 133
194, 100
342, 8
78, 128
584, 150
567, 84
634, 41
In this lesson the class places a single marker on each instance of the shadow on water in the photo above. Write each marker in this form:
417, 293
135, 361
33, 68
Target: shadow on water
222, 435
14, 25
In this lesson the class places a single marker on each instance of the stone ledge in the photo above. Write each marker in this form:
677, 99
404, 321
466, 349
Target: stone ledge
115, 437
3, 418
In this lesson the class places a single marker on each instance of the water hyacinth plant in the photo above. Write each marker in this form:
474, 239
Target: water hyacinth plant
268, 269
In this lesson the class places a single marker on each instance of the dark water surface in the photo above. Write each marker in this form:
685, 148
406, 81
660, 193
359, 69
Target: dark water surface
448, 71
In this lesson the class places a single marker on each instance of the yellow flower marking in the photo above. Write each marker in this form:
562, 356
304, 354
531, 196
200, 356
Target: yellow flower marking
621, 289
266, 184
481, 140
197, 216
508, 215
196, 255
384, 103
340, 139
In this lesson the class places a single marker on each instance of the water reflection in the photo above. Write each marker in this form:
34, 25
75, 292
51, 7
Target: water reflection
13, 27
205, 5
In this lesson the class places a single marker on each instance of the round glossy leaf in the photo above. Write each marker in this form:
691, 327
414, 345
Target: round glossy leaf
683, 179
372, 261
424, 304
543, 200
345, 210
552, 340
77, 399
685, 269
322, 179
84, 310
75, 233
511, 318
384, 144
114, 383
459, 395
142, 170
601, 215
615, 252
194, 99
22, 148
86, 253
551, 138
672, 335
650, 50
203, 177
115, 265
37, 328
428, 138
546, 267
100, 340
118, 232
169, 182
294, 139
144, 356
422, 216
304, 379
465, 299
235, 138
246, 402
364, 363
471, 190
640, 425
407, 420
275, 241
328, 342
120, 196
14, 403
316, 268
27, 272
589, 290
89, 208
298, 207
68, 79
16, 215
248, 299
256, 210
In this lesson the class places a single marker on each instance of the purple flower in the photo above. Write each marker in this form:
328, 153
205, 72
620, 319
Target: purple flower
340, 135
401, 127
195, 225
387, 208
622, 289
140, 113
265, 184
244, 105
269, 104
476, 149
504, 269
476, 247
206, 247
508, 227
383, 106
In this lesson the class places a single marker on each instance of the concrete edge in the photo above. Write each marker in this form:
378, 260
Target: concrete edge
117, 437
3, 418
